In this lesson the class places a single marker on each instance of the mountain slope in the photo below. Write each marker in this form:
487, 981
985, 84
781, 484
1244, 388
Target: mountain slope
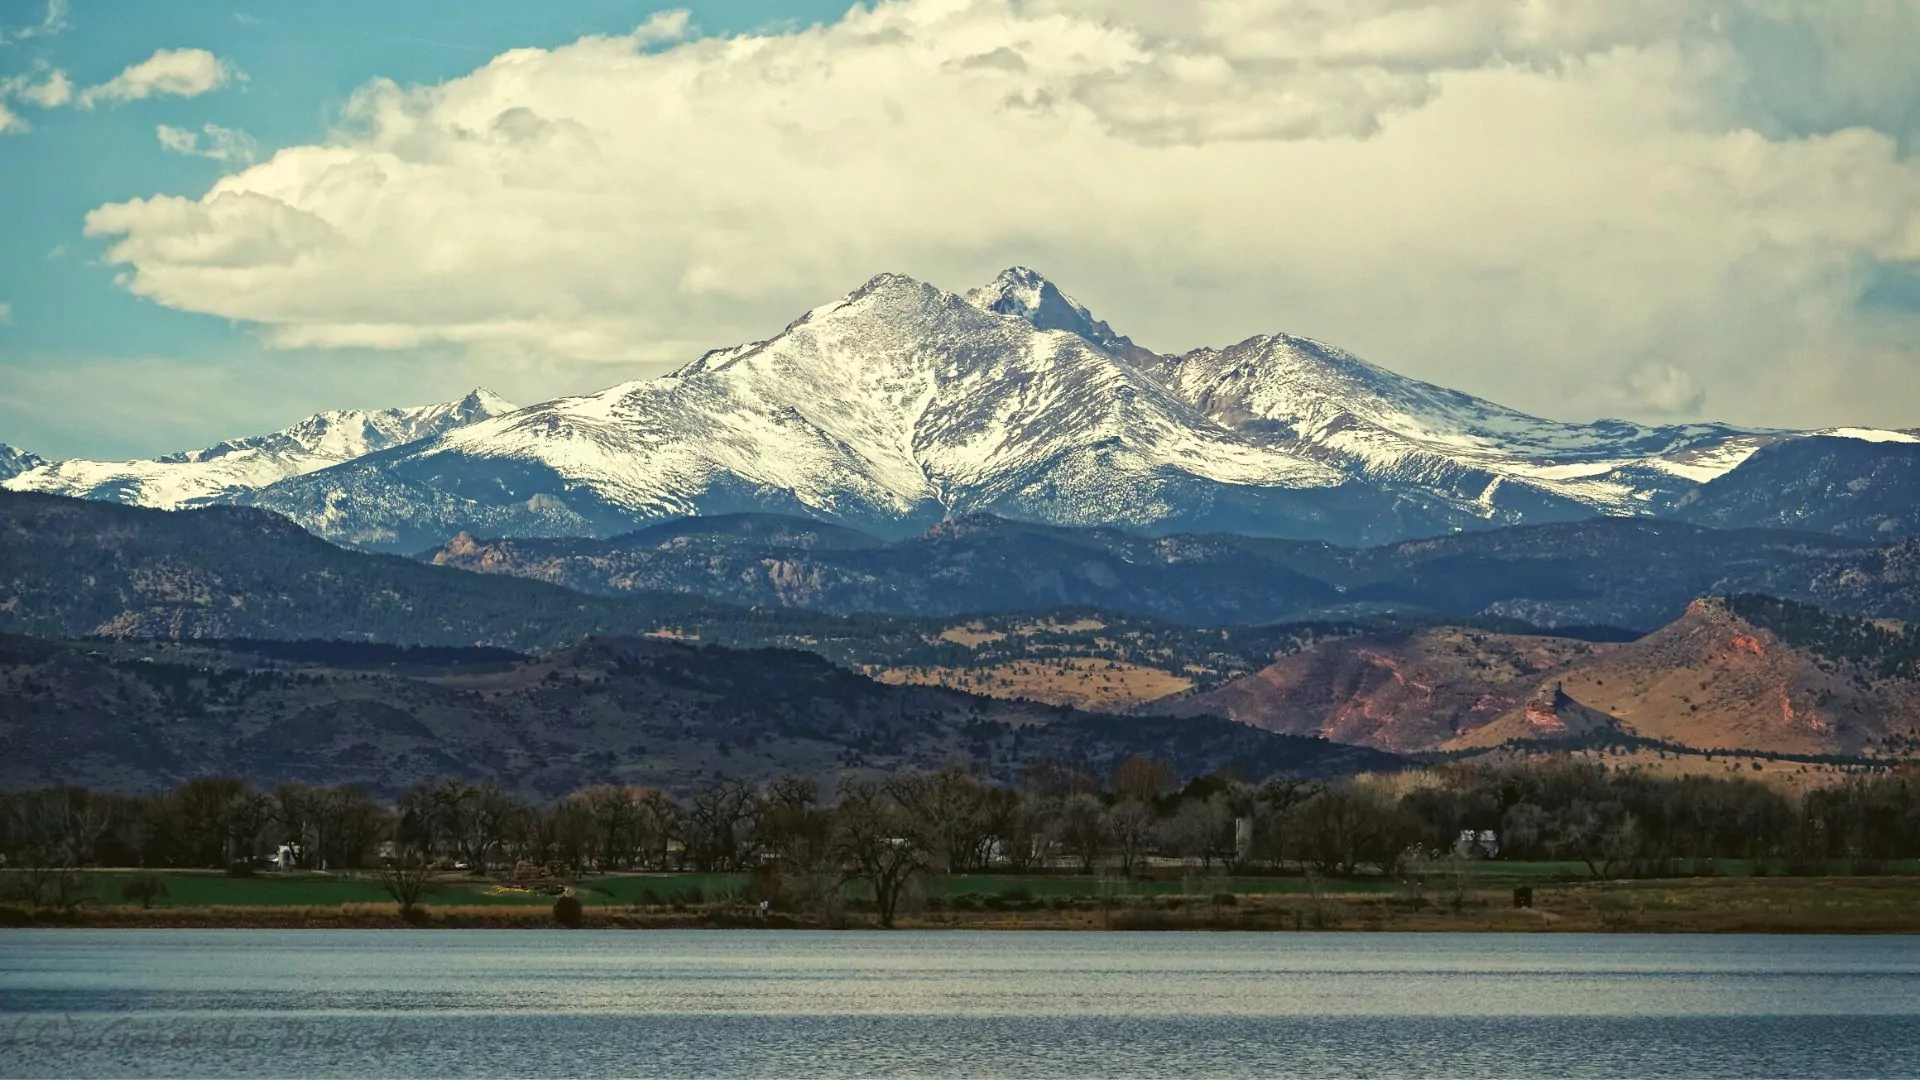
1747, 673
1411, 435
1623, 572
1725, 675
144, 717
975, 563
1853, 486
14, 461
889, 410
1411, 692
73, 568
902, 405
223, 471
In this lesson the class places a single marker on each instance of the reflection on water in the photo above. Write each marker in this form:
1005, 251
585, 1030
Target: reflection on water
403, 1002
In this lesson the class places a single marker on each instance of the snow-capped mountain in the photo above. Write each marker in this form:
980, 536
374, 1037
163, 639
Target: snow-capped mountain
225, 471
901, 405
1393, 430
890, 409
14, 461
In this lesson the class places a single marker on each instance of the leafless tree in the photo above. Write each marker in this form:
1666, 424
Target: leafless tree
877, 840
1142, 779
1083, 829
1130, 826
954, 808
718, 823
405, 877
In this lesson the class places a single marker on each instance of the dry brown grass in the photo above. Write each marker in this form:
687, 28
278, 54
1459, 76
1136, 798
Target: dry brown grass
1082, 682
972, 635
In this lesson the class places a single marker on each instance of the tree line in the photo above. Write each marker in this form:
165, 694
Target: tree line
886, 831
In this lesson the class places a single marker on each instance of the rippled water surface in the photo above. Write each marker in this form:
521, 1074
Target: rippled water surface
741, 1003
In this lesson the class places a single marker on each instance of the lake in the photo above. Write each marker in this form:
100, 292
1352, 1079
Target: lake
746, 1003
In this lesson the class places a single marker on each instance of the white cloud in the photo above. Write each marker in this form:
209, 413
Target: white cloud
6, 313
168, 73
49, 93
1576, 208
52, 22
222, 144
1662, 389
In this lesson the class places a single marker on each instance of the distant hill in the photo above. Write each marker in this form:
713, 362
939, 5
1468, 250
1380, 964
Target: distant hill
1843, 486
144, 716
1750, 673
970, 564
1736, 674
1623, 572
72, 568
1410, 691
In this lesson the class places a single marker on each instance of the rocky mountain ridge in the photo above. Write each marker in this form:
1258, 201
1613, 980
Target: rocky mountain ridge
901, 405
228, 470
1632, 573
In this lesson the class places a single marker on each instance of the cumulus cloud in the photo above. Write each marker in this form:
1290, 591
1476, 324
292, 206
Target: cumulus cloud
6, 313
10, 121
167, 73
220, 143
1542, 203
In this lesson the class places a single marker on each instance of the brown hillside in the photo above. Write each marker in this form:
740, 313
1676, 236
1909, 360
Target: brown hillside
1710, 680
1407, 691
1713, 680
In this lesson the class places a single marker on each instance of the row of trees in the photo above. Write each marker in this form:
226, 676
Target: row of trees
886, 830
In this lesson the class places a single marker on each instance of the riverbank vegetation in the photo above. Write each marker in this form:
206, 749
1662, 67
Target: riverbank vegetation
1459, 847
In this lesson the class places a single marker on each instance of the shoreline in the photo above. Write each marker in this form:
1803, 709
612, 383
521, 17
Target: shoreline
1814, 905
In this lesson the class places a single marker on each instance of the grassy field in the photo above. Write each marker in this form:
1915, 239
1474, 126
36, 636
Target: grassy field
1732, 898
196, 889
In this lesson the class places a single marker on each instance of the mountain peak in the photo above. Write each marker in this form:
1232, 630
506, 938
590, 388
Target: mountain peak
14, 461
480, 403
1026, 294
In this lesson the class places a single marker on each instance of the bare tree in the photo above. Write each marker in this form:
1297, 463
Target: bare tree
718, 823
791, 824
1142, 779
876, 838
1130, 825
1083, 829
405, 877
953, 807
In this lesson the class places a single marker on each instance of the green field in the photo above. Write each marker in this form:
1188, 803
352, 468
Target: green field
192, 889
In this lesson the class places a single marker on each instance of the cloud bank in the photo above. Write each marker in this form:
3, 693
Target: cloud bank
1639, 207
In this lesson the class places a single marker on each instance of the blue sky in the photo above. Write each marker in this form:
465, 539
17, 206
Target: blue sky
1699, 209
